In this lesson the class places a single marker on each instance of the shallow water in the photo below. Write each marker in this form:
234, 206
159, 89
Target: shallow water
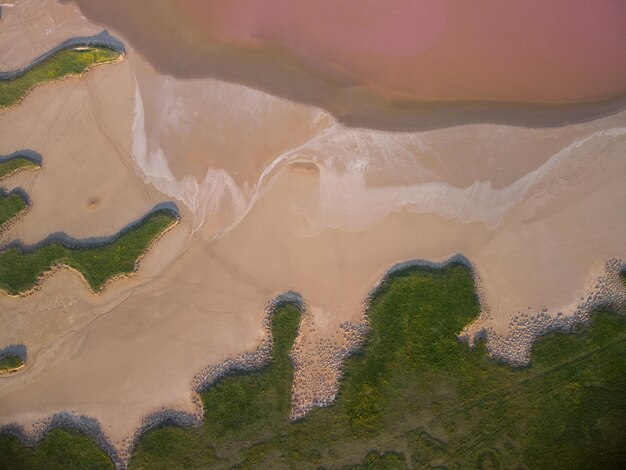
532, 51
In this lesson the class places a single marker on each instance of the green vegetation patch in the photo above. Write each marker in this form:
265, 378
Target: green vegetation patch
11, 204
21, 269
11, 165
415, 391
10, 362
73, 61
416, 397
241, 410
60, 450
377, 461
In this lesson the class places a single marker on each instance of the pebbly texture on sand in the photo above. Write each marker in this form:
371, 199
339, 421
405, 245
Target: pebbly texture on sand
318, 366
524, 329
246, 362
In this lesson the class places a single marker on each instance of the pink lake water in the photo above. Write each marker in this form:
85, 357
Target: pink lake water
531, 50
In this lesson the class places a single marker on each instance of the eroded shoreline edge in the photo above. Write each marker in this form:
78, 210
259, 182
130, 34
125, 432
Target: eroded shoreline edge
514, 350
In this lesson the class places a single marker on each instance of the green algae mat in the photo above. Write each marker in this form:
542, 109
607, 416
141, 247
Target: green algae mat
413, 397
72, 61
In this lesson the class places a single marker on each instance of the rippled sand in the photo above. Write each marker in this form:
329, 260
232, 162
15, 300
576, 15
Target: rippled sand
275, 196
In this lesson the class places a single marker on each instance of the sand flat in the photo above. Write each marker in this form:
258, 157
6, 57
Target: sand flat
324, 211
31, 30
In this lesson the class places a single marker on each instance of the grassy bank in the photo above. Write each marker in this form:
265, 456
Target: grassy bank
415, 397
10, 362
414, 389
11, 204
59, 450
241, 409
11, 165
21, 269
66, 62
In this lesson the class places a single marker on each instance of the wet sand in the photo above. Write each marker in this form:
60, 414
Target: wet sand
275, 196
407, 65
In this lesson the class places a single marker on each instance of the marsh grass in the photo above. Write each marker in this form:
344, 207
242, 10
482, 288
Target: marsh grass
21, 269
10, 362
11, 165
61, 449
415, 397
241, 410
73, 61
380, 461
416, 390
11, 204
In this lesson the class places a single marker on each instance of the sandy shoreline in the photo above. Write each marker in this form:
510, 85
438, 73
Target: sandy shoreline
72, 243
120, 452
513, 350
102, 39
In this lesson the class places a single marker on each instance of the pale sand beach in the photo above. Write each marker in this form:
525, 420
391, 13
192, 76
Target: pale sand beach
275, 196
